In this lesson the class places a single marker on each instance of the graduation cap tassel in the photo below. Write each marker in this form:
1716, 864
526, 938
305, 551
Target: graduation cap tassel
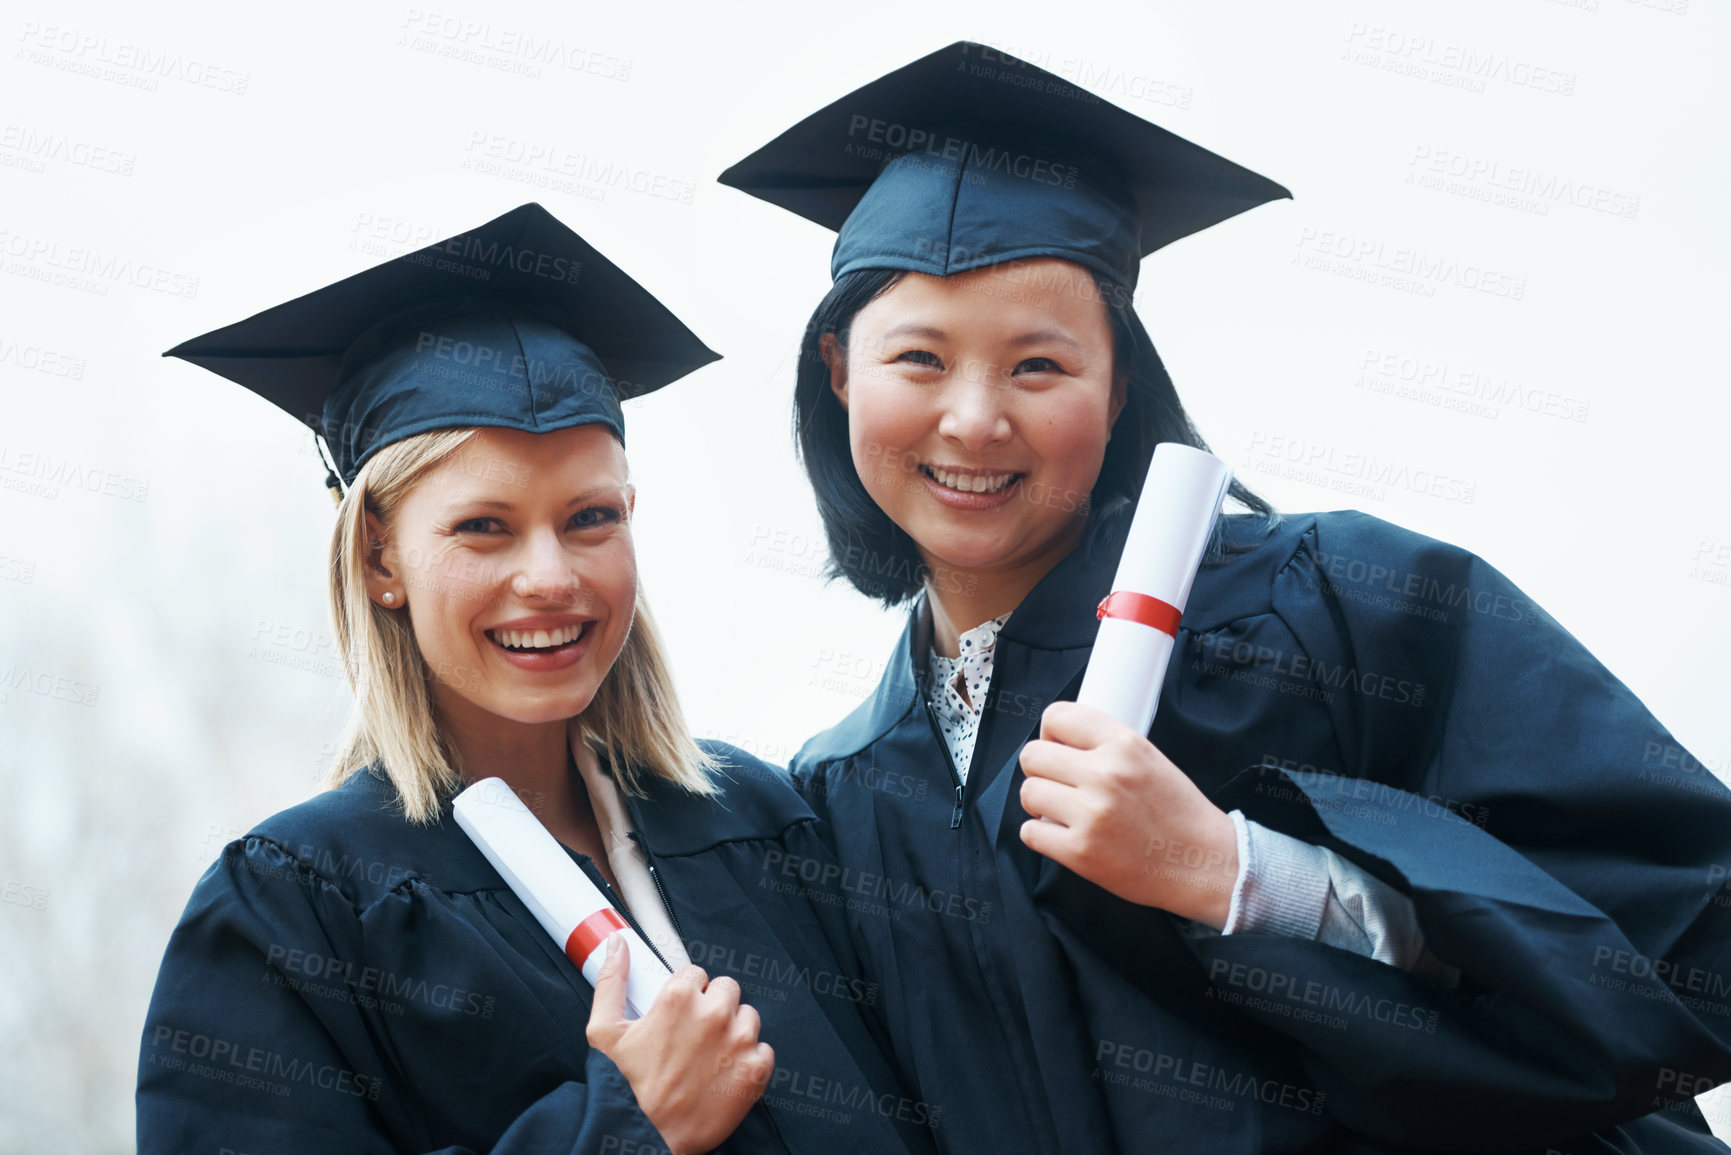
333, 482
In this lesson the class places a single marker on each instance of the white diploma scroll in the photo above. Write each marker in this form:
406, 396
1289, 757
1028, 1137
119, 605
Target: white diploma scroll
1139, 621
554, 888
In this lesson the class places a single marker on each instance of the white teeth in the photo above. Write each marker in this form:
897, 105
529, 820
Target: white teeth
970, 482
537, 639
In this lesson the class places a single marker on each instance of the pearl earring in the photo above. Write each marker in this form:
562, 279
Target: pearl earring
389, 597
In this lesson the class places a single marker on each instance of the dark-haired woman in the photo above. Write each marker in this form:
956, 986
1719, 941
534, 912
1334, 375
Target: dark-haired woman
1381, 877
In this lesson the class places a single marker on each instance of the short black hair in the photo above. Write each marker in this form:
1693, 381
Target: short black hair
874, 553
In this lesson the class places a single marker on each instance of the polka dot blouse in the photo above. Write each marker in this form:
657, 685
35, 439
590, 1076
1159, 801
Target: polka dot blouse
959, 717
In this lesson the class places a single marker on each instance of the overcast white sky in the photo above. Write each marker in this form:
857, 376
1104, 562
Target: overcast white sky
1542, 181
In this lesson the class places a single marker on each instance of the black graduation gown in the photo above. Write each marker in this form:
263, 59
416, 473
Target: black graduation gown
1364, 688
343, 981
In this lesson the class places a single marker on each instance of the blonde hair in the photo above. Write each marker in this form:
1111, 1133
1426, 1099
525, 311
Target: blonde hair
634, 719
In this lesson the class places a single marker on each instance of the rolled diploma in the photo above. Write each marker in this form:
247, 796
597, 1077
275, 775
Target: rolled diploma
1168, 534
557, 892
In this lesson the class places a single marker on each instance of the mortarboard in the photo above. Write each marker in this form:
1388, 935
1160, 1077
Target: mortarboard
517, 324
971, 157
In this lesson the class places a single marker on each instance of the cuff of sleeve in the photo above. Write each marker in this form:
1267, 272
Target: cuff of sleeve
1241, 830
1282, 885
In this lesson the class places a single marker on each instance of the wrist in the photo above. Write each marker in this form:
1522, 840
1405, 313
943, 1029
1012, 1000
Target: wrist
677, 1140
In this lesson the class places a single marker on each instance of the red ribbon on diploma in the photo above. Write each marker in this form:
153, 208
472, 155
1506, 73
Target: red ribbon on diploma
1137, 607
591, 933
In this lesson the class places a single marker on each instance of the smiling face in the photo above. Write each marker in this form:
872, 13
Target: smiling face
979, 406
515, 559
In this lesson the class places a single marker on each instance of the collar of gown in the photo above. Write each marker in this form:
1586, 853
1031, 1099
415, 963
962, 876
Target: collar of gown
1058, 614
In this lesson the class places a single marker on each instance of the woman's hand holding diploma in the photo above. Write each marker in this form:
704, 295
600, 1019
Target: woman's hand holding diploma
1124, 817
693, 1061
1118, 812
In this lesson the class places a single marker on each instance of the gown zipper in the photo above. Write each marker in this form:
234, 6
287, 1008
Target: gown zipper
760, 1107
614, 897
956, 815
955, 777
655, 876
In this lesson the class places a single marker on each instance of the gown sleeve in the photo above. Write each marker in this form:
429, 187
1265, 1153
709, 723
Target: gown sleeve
1578, 905
1285, 886
234, 1057
811, 789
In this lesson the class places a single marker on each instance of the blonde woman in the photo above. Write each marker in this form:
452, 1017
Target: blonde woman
353, 976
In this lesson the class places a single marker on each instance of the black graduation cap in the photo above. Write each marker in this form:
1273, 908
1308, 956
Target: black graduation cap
518, 324
971, 157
